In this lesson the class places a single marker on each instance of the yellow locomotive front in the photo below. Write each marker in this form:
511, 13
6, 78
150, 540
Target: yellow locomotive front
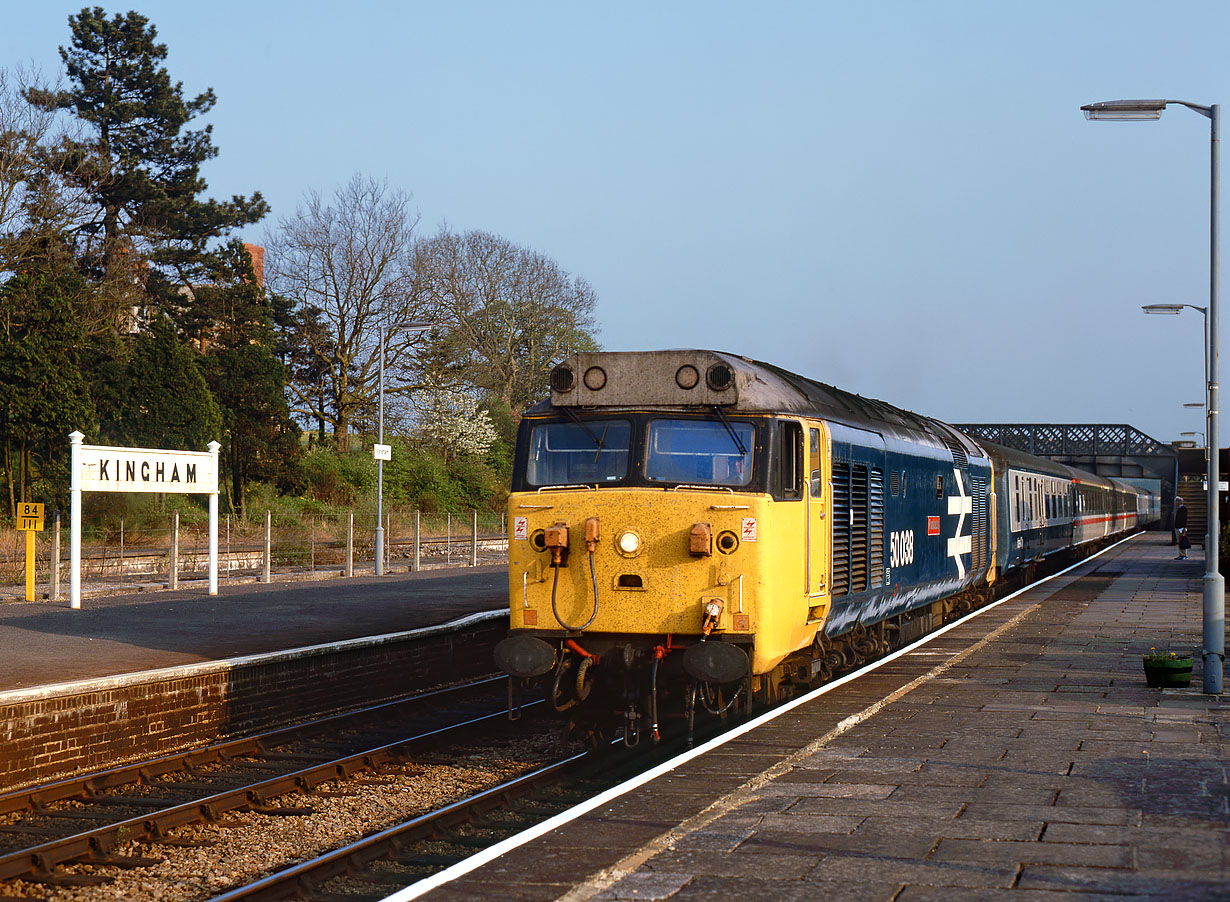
647, 550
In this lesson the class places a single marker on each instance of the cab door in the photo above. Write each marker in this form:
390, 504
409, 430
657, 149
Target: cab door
818, 532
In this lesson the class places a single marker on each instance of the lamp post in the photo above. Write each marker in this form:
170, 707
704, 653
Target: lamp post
380, 458
1214, 596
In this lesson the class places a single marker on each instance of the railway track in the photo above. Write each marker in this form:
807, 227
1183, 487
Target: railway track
382, 863
67, 834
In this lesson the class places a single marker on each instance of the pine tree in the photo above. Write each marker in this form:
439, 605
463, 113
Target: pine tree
142, 164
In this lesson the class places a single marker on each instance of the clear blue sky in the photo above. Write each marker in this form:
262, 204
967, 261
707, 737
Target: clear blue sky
900, 198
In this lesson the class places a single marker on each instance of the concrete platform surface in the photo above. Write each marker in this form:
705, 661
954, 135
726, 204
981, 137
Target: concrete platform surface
48, 642
1020, 755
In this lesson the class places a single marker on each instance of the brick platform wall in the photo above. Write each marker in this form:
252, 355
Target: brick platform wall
61, 731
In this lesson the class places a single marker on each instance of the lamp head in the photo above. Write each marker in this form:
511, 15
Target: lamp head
1125, 109
1171, 309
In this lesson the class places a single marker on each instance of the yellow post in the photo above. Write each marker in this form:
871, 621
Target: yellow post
29, 565
30, 519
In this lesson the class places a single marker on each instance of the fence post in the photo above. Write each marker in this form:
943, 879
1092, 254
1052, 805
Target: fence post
268, 555
55, 559
388, 541
474, 541
121, 549
448, 541
350, 544
417, 535
173, 581
312, 539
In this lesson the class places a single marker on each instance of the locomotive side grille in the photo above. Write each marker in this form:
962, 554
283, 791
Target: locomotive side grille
959, 457
978, 488
858, 529
841, 529
876, 548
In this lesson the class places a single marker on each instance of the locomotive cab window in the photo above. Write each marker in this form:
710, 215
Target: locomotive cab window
789, 461
700, 452
588, 452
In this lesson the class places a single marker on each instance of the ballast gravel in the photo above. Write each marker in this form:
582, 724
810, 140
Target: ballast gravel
248, 846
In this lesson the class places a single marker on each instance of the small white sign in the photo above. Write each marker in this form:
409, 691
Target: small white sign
521, 528
382, 452
749, 529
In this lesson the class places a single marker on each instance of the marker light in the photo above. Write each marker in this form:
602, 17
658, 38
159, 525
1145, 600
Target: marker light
629, 543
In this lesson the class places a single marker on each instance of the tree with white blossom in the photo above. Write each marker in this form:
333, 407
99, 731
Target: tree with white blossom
454, 422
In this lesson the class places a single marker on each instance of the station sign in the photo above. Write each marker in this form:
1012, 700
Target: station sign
382, 452
30, 517
100, 468
105, 469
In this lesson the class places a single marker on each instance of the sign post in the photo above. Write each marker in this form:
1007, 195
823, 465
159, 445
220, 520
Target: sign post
96, 468
30, 520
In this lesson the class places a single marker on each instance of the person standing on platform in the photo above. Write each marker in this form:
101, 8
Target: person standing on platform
1180, 528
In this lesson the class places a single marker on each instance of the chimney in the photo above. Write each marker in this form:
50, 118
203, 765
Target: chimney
258, 261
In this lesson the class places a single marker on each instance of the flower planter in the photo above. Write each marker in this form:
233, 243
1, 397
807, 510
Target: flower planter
1167, 673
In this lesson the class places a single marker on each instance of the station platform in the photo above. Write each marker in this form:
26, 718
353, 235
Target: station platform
1020, 753
47, 642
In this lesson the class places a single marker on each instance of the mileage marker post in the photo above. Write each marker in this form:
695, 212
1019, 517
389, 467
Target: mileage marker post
30, 521
1214, 626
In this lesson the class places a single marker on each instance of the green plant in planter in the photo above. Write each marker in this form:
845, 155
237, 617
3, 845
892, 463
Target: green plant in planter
1167, 670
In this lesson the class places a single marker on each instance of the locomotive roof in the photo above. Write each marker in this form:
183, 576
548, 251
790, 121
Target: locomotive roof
659, 380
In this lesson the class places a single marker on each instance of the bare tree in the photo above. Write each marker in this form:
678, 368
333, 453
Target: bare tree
506, 313
39, 198
347, 265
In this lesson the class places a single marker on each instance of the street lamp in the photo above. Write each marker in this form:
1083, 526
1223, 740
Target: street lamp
1194, 434
1214, 586
382, 452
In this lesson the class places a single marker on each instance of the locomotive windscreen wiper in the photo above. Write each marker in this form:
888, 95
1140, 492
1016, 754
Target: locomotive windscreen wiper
730, 430
598, 442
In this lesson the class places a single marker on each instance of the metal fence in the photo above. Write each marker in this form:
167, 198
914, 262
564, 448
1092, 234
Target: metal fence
163, 556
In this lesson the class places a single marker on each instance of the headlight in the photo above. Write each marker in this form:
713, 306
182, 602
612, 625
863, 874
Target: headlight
629, 543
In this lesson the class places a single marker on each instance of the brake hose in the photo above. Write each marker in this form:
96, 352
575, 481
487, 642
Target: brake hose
555, 609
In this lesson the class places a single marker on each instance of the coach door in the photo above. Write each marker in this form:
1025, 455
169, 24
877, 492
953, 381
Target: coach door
817, 513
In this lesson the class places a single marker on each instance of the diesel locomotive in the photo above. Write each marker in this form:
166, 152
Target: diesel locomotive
694, 525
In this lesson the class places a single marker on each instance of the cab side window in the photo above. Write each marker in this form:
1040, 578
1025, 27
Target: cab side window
789, 482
